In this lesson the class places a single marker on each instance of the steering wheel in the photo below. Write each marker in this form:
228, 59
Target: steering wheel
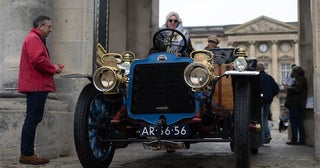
164, 39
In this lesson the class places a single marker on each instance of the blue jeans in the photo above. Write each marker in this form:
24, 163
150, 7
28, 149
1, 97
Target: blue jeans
35, 110
296, 121
265, 112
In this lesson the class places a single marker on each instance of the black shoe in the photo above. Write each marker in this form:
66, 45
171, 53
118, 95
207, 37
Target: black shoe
301, 143
266, 141
291, 143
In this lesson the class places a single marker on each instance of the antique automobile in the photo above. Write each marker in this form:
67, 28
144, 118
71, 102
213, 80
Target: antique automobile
169, 103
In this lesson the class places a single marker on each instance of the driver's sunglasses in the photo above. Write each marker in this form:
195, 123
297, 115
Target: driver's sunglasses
173, 21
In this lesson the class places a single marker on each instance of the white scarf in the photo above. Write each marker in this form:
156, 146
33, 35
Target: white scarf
177, 40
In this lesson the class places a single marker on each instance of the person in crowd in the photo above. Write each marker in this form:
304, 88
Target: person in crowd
289, 79
269, 88
296, 102
173, 21
213, 42
36, 73
288, 82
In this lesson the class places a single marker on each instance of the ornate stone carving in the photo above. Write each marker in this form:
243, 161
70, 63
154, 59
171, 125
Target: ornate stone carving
286, 58
285, 46
262, 26
264, 59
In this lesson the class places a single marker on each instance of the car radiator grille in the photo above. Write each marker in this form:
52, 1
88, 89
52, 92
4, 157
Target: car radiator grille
160, 88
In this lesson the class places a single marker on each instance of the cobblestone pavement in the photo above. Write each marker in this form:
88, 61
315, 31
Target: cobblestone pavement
202, 155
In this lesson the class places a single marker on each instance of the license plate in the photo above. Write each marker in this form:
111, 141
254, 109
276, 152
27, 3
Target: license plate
180, 130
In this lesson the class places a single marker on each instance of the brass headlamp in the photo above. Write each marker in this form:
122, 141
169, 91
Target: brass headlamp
128, 57
199, 74
240, 63
108, 77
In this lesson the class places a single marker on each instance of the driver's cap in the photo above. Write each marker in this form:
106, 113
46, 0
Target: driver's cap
213, 38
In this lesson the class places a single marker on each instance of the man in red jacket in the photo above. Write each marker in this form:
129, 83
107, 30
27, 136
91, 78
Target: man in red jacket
36, 81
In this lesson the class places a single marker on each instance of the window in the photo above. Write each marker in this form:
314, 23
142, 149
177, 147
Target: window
285, 70
266, 67
198, 46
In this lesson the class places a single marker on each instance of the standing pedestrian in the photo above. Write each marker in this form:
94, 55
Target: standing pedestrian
296, 102
36, 81
289, 81
269, 88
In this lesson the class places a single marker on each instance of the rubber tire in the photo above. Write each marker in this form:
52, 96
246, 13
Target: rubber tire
81, 132
241, 139
254, 151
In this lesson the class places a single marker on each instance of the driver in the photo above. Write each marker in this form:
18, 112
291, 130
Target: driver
173, 21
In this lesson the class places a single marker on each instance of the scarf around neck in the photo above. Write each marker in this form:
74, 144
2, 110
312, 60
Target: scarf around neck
177, 40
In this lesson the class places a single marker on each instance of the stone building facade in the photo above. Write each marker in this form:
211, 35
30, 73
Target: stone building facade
131, 26
271, 42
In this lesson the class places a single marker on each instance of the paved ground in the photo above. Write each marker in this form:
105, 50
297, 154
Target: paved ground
202, 155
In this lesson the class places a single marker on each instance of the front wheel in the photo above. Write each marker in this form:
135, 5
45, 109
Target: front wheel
90, 126
254, 151
241, 139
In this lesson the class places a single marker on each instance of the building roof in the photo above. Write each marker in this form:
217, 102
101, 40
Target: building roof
262, 24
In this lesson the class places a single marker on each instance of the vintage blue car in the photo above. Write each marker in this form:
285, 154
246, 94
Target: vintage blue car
168, 102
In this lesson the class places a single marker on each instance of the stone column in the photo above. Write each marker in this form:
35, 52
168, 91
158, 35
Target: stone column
306, 61
252, 49
72, 35
141, 25
72, 45
274, 72
274, 61
296, 53
316, 76
15, 24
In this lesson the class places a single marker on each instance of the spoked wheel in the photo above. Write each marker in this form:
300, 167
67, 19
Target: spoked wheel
91, 124
241, 139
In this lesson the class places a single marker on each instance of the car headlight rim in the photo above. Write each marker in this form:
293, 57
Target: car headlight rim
201, 73
100, 80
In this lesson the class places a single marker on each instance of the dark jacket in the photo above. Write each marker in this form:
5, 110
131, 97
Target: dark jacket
269, 88
297, 93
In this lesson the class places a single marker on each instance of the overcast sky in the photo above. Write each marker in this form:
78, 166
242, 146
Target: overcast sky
224, 12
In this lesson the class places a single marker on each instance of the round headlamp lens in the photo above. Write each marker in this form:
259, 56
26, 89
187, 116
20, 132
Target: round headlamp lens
104, 79
240, 64
196, 76
107, 79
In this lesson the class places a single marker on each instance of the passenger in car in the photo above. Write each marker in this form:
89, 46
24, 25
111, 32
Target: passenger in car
213, 42
173, 21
